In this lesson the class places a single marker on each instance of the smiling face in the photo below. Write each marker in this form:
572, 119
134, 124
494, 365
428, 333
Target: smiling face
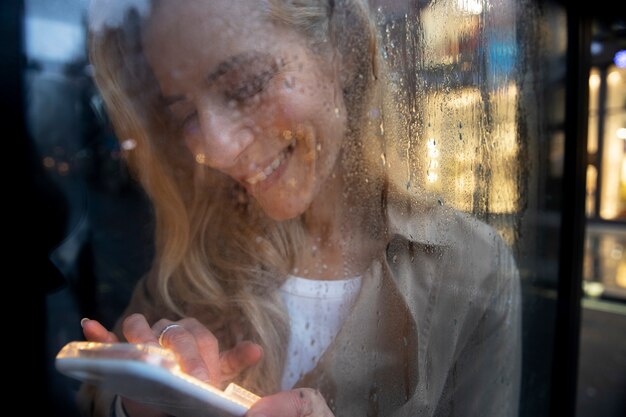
250, 98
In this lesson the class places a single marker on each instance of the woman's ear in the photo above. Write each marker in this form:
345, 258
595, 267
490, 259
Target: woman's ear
196, 150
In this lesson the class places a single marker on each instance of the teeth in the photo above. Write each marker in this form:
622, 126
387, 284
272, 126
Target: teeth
262, 175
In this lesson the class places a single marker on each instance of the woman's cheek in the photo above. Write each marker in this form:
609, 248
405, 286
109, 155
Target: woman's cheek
280, 116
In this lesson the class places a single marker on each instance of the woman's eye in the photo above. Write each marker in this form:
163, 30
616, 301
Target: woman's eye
250, 86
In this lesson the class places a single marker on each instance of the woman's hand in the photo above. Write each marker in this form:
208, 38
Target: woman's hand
196, 349
298, 402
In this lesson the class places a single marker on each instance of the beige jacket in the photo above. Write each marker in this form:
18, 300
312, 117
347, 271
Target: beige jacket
435, 330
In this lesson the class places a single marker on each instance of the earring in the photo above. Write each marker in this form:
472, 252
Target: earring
200, 158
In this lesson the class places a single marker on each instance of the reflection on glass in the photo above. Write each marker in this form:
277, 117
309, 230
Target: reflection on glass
613, 198
605, 261
606, 183
610, 117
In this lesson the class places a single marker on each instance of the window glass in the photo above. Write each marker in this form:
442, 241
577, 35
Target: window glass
357, 197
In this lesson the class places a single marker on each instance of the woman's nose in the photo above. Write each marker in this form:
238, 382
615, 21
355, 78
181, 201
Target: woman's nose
225, 136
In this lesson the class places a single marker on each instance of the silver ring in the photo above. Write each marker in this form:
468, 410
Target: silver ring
165, 329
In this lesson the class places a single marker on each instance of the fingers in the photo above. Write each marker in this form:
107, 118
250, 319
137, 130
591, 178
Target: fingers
299, 402
137, 330
196, 348
96, 332
239, 358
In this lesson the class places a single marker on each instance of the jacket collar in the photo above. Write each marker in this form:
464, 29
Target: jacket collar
371, 364
422, 223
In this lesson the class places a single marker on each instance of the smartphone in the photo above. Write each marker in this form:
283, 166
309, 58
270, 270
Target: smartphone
150, 375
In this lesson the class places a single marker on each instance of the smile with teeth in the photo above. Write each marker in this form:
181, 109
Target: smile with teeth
268, 170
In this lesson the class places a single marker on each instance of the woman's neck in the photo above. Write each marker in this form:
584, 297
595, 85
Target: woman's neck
336, 244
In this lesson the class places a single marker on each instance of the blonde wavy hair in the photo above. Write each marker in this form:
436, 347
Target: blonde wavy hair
218, 257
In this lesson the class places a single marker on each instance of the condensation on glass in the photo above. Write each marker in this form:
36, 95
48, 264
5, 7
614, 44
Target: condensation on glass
462, 105
458, 147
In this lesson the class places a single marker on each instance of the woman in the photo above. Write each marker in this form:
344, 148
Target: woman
285, 257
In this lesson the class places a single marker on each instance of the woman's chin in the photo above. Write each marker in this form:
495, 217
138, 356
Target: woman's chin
282, 215
283, 211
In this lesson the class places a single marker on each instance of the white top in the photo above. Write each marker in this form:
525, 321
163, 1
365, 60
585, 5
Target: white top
317, 310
